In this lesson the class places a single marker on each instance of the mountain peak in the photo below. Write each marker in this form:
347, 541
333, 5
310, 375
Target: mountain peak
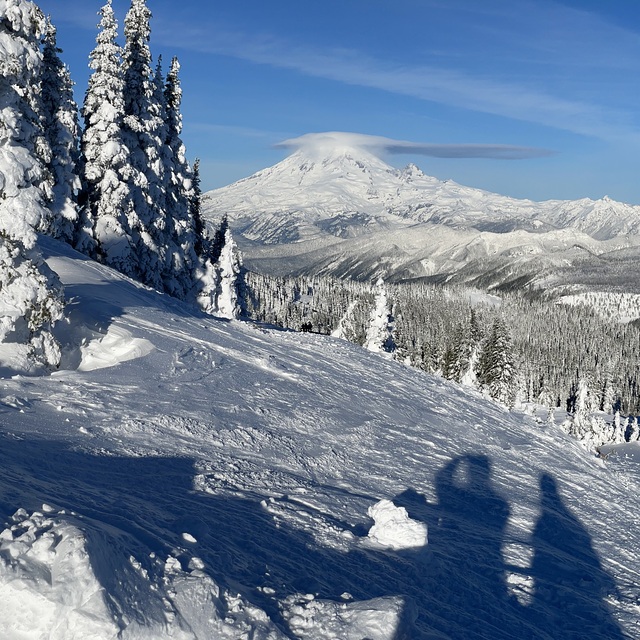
412, 171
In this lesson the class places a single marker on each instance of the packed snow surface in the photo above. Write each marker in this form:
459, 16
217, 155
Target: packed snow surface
225, 480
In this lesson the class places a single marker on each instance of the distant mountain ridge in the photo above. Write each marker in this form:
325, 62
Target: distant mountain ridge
342, 210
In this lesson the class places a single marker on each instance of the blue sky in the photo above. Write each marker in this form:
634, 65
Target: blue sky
557, 75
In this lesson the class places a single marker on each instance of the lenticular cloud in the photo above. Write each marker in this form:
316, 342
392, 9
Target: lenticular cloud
380, 145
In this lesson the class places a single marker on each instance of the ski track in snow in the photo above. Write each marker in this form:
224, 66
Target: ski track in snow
219, 486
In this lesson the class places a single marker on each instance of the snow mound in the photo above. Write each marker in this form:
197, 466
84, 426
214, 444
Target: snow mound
377, 619
116, 346
394, 529
46, 582
50, 588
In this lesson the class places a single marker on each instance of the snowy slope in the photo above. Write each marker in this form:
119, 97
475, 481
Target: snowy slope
186, 477
333, 205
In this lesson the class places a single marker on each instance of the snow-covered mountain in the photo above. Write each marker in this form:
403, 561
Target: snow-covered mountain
191, 478
336, 208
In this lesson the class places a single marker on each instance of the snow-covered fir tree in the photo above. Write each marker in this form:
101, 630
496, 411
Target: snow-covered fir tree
221, 284
206, 274
617, 428
380, 331
207, 281
107, 208
496, 369
181, 201
143, 134
587, 427
60, 124
201, 245
462, 353
218, 241
230, 280
159, 159
31, 298
352, 324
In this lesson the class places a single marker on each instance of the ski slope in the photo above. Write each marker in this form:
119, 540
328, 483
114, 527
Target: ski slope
191, 478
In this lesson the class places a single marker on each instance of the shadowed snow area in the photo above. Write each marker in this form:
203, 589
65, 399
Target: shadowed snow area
225, 480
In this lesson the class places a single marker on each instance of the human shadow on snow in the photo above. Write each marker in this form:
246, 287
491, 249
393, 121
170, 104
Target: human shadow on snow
569, 580
453, 588
468, 575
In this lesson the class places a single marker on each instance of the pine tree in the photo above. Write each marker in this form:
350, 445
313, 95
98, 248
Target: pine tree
207, 274
462, 354
448, 363
60, 123
182, 203
380, 332
159, 155
405, 345
625, 429
497, 372
142, 133
31, 298
608, 395
617, 428
350, 325
584, 426
218, 241
230, 289
202, 244
107, 209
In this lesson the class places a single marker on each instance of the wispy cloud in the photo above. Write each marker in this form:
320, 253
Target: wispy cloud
379, 144
448, 86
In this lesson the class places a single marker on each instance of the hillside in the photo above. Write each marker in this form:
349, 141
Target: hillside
333, 207
186, 477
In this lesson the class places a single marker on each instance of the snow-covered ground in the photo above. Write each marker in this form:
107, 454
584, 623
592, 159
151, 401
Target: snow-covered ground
191, 478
